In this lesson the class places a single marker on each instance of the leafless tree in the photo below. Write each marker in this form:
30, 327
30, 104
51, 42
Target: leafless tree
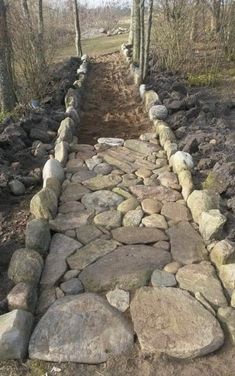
77, 29
148, 38
7, 94
142, 39
136, 39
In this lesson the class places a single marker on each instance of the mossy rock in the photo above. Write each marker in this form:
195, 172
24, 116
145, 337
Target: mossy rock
215, 182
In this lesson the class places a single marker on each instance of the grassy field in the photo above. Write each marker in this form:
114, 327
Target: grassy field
95, 46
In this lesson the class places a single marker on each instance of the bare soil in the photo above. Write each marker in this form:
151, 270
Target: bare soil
112, 108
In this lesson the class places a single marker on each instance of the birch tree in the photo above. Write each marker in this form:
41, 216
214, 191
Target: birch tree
7, 94
77, 29
148, 38
136, 39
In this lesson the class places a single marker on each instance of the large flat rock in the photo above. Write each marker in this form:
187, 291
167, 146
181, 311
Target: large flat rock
138, 235
90, 253
64, 222
142, 147
202, 278
55, 266
73, 192
102, 182
127, 267
155, 192
101, 200
170, 321
82, 328
187, 245
15, 330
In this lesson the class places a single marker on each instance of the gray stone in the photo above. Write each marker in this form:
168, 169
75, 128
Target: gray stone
202, 201
102, 182
22, 296
64, 222
223, 253
133, 217
73, 322
101, 200
159, 193
65, 131
176, 334
53, 184
87, 233
202, 278
211, 224
38, 235
150, 99
69, 207
61, 152
74, 165
72, 287
158, 112
204, 302
129, 180
25, 266
70, 274
53, 169
73, 192
128, 267
226, 315
175, 211
142, 147
61, 247
15, 330
44, 204
82, 174
103, 169
133, 235
46, 299
90, 253
155, 220
92, 162
187, 245
119, 299
161, 278
16, 187
109, 219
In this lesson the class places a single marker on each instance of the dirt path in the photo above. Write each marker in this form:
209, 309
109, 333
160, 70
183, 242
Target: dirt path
112, 106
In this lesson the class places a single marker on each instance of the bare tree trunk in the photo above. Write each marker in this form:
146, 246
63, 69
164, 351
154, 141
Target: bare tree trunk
148, 39
25, 8
40, 19
142, 40
77, 30
131, 36
7, 94
136, 45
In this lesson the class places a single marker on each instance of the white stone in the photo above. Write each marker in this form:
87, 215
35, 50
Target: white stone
52, 169
119, 299
181, 161
211, 224
111, 141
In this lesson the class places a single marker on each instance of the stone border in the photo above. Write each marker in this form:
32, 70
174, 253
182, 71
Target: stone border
26, 264
204, 204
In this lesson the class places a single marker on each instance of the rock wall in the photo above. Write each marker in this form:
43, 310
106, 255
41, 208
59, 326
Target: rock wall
27, 264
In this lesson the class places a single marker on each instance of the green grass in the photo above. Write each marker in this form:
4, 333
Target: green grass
95, 46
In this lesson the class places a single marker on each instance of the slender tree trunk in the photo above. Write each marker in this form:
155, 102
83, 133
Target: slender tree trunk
136, 44
25, 8
40, 37
142, 40
77, 29
130, 40
148, 39
7, 94
40, 19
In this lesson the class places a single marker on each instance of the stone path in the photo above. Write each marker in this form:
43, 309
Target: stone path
121, 225
125, 257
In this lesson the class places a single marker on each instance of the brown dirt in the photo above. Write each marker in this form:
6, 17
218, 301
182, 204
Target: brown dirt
111, 105
112, 108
